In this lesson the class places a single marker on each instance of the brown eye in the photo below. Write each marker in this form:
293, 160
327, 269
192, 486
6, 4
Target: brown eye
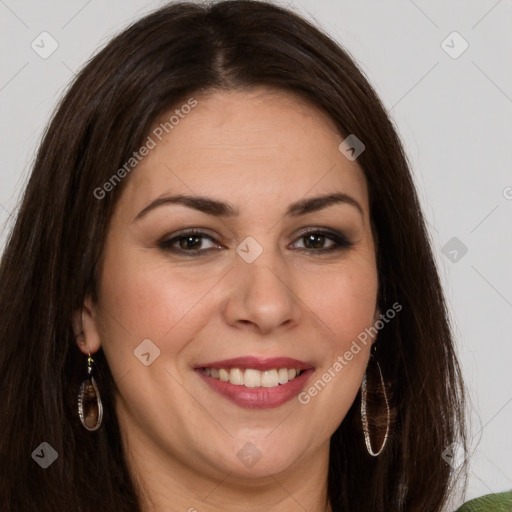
314, 241
190, 242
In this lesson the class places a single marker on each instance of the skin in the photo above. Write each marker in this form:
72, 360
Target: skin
260, 150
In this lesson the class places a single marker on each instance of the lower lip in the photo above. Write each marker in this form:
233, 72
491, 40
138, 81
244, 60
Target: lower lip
260, 397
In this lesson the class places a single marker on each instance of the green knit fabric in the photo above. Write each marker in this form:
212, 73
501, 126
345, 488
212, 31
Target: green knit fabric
501, 502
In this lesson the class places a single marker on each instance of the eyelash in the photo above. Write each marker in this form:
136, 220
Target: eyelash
340, 240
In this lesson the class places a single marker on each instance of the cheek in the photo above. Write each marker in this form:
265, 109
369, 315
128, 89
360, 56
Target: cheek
344, 300
141, 299
148, 299
344, 303
138, 294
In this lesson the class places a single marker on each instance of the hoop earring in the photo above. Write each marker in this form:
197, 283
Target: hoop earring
364, 417
90, 408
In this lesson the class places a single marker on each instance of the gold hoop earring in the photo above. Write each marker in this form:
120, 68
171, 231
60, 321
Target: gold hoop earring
364, 417
90, 408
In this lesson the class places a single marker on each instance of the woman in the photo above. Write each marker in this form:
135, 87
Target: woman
219, 290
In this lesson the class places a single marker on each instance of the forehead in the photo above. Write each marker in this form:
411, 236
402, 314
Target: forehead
260, 146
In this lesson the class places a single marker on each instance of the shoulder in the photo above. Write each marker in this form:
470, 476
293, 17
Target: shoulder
501, 502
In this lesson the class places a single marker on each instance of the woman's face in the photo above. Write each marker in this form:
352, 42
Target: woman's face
253, 284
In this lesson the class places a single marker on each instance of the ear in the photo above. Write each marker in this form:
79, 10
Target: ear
85, 328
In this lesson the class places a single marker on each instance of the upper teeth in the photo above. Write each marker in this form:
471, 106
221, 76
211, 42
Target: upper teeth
253, 378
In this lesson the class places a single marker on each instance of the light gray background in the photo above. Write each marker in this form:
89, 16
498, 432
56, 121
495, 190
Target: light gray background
454, 117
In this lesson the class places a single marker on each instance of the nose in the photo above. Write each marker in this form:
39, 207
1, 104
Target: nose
262, 296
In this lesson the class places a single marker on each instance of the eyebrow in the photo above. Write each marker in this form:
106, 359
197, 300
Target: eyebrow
225, 209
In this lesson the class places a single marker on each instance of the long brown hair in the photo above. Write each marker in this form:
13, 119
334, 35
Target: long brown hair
53, 253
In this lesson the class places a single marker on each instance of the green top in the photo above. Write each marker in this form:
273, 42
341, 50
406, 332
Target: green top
501, 502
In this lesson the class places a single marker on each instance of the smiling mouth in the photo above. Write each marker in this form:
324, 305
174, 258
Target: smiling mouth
253, 378
260, 389
256, 382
